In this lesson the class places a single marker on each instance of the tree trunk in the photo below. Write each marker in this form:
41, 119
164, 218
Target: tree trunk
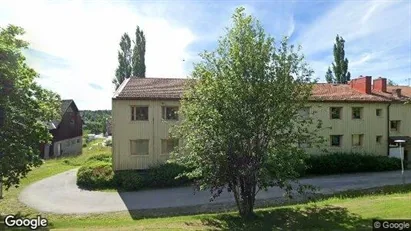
1, 189
244, 195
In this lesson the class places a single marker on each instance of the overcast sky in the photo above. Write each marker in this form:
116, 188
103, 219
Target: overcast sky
73, 44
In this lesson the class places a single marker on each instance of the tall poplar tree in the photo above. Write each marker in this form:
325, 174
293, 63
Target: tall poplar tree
329, 76
123, 70
340, 64
139, 51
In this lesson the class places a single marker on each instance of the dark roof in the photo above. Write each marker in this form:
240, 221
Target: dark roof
172, 88
65, 104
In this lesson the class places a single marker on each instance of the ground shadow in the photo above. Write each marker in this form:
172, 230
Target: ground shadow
129, 202
230, 207
307, 218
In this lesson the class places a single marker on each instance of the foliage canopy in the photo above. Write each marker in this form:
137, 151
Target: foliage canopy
242, 116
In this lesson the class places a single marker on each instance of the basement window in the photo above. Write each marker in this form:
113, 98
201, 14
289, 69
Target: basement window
168, 146
139, 113
335, 112
304, 145
357, 140
304, 112
378, 139
336, 140
139, 147
395, 125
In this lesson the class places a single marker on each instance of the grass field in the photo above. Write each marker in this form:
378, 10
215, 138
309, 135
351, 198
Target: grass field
10, 204
347, 211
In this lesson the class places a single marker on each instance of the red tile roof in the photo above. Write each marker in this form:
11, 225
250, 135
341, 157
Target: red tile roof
152, 88
172, 88
343, 92
405, 90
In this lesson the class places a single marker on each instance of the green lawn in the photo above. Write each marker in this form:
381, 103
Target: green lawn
347, 211
10, 204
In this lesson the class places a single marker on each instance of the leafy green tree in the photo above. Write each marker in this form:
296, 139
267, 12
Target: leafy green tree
340, 64
123, 70
242, 116
329, 76
95, 120
139, 52
27, 106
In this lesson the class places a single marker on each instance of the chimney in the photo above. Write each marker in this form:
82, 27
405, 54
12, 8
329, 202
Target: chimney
396, 92
380, 84
361, 84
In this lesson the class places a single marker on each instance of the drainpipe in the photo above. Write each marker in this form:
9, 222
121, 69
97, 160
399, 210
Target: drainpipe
388, 129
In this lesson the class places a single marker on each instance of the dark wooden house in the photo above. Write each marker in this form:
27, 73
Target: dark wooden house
67, 132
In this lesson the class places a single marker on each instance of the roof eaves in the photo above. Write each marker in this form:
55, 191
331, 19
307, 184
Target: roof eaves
147, 98
120, 88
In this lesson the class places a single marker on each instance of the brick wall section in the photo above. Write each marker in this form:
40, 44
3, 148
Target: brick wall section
362, 84
380, 84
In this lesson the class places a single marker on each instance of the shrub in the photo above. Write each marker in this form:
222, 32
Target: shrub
337, 163
164, 175
129, 180
104, 157
159, 176
96, 175
108, 142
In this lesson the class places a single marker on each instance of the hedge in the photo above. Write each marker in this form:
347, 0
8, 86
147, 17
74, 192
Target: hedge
99, 175
95, 175
337, 163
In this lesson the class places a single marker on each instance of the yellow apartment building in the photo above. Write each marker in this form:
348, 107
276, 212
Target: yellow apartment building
363, 116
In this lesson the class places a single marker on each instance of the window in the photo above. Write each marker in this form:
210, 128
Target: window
78, 140
304, 145
304, 112
395, 125
170, 113
336, 140
378, 139
335, 112
168, 146
378, 112
357, 139
139, 113
357, 112
139, 147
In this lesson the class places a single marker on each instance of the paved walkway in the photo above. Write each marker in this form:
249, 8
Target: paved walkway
60, 194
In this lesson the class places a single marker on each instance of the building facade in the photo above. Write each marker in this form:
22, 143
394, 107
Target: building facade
67, 133
363, 116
